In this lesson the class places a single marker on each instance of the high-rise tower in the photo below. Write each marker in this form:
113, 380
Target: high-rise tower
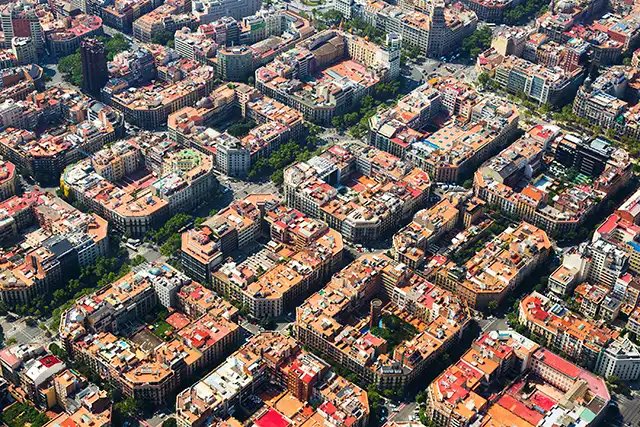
94, 66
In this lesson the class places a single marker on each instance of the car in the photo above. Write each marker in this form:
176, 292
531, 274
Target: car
383, 419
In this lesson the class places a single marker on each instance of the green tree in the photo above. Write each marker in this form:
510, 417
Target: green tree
162, 37
138, 260
241, 129
71, 69
477, 42
58, 351
171, 422
278, 177
546, 108
172, 245
115, 45
331, 17
483, 80
337, 122
129, 407
492, 306
610, 134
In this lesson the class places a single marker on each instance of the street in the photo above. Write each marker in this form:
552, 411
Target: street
148, 251
422, 70
241, 189
627, 413
22, 333
298, 5
488, 325
406, 412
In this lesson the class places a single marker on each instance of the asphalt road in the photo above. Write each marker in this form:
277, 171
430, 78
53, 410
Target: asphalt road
629, 411
406, 412
23, 333
151, 254
422, 70
241, 189
493, 325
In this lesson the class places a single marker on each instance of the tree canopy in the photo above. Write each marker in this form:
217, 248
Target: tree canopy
477, 42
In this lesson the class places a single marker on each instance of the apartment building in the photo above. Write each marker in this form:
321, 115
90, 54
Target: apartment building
273, 360
620, 359
454, 398
120, 14
195, 45
236, 226
83, 402
411, 242
8, 180
478, 126
20, 20
580, 338
562, 18
208, 11
31, 371
346, 69
169, 17
40, 109
7, 59
543, 84
606, 262
195, 301
373, 203
134, 66
276, 124
148, 374
319, 321
183, 178
604, 101
629, 210
63, 35
436, 31
490, 10
181, 83
302, 255
46, 155
18, 82
607, 168
65, 241
187, 124
491, 274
